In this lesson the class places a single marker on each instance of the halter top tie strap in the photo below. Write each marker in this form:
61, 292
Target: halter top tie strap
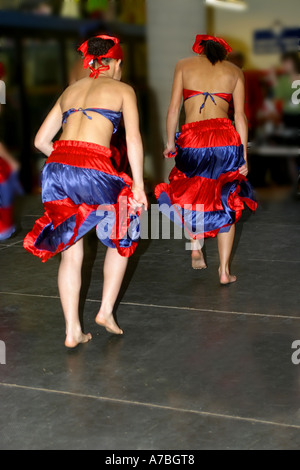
187, 94
113, 116
206, 95
71, 111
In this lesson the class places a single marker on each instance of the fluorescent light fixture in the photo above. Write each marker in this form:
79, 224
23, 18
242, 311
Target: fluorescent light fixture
228, 4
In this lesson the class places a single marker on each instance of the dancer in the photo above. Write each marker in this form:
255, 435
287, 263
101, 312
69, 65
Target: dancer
80, 186
9, 188
211, 155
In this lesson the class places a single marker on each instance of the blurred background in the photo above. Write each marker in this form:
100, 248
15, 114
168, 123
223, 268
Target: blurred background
38, 59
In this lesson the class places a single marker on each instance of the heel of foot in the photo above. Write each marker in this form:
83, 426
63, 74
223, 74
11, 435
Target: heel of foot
198, 261
226, 279
109, 324
71, 342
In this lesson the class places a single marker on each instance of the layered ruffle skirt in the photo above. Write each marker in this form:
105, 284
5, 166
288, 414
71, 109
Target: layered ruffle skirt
82, 189
206, 193
9, 188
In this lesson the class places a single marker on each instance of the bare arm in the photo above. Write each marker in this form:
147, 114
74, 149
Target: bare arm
241, 123
48, 130
173, 111
134, 145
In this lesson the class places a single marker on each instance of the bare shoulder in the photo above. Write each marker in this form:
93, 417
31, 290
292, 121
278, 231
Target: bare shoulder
125, 89
79, 84
182, 63
233, 69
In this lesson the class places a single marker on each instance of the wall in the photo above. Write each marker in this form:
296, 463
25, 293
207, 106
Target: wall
171, 29
238, 27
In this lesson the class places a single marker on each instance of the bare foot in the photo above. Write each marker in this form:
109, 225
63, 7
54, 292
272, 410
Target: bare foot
226, 278
73, 340
198, 261
108, 322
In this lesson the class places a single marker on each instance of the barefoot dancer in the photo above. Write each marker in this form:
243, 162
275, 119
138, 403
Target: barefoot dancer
211, 160
79, 177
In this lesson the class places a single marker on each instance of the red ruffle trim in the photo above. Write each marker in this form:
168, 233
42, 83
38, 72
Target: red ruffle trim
57, 212
199, 190
183, 191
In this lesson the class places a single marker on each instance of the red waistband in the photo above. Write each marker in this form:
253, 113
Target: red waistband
209, 124
77, 144
82, 155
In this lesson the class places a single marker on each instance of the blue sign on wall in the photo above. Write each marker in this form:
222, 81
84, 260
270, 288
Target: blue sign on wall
268, 41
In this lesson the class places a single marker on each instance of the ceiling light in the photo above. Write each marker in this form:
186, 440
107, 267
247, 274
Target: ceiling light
228, 4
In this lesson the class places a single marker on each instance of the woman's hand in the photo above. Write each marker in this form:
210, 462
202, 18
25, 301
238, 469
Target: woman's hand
169, 149
139, 198
244, 169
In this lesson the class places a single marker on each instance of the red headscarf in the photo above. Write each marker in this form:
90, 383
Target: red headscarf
198, 48
115, 52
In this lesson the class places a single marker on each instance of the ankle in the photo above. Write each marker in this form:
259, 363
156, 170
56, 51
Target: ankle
105, 310
224, 270
73, 329
196, 253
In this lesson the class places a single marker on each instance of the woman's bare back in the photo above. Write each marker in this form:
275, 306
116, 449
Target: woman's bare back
199, 74
104, 93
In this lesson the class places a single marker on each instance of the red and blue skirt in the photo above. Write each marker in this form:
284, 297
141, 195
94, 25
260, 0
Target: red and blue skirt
206, 193
9, 188
81, 189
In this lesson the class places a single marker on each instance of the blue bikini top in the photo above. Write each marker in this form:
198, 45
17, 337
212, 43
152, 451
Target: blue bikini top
113, 116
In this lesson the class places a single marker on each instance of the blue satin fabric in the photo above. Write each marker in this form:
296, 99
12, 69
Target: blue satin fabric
9, 189
207, 151
79, 184
113, 116
87, 186
209, 162
50, 238
106, 224
196, 222
200, 221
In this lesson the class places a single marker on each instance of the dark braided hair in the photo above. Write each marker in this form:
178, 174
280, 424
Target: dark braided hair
214, 51
99, 46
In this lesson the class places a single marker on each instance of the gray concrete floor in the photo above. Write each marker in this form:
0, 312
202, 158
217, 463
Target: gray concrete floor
200, 366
